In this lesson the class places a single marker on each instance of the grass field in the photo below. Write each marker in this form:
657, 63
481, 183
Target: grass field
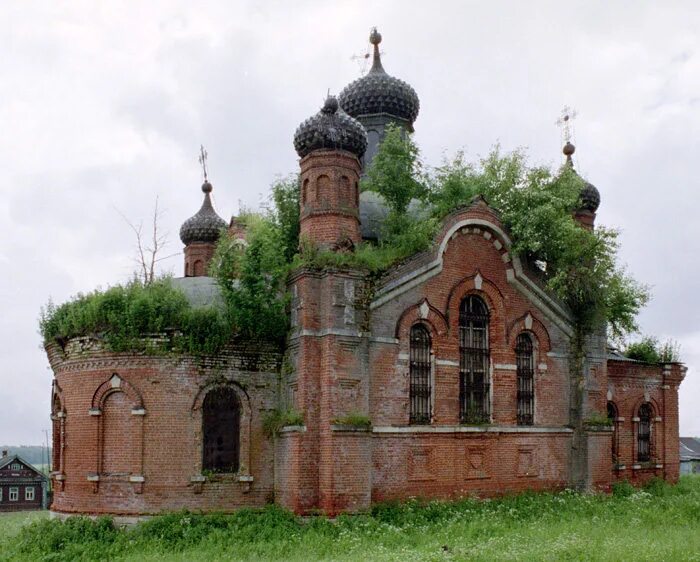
657, 523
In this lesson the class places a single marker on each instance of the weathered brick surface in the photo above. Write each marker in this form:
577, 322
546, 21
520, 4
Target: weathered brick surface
629, 385
330, 197
197, 258
133, 445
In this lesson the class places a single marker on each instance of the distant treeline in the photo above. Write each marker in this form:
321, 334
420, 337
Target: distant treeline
33, 454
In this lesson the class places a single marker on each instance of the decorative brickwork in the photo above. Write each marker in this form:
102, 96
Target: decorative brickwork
330, 199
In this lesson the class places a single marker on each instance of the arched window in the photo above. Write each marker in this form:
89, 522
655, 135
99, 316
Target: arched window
419, 392
525, 364
198, 268
612, 417
473, 360
304, 191
221, 422
644, 433
57, 434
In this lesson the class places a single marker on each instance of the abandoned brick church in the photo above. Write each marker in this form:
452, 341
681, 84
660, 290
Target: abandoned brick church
460, 362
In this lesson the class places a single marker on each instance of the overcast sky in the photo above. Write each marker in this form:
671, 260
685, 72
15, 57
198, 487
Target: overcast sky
103, 106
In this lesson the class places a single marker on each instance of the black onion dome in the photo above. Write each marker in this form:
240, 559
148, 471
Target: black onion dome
378, 92
589, 198
206, 225
330, 128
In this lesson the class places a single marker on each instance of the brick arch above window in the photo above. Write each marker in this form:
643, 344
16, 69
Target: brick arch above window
57, 398
656, 410
531, 324
493, 298
422, 312
115, 383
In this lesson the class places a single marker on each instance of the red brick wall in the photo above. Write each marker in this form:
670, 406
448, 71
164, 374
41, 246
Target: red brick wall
197, 258
330, 197
630, 385
460, 464
144, 442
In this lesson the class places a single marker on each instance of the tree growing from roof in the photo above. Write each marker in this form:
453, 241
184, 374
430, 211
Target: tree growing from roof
536, 205
149, 245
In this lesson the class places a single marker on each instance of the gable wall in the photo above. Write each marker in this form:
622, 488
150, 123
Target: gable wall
446, 459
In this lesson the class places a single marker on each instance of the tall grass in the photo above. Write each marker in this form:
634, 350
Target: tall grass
659, 522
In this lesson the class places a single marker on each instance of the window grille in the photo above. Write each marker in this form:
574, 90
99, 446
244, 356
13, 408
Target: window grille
526, 380
419, 393
644, 434
221, 430
473, 361
612, 416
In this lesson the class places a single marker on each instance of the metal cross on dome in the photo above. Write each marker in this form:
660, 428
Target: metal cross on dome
203, 160
564, 121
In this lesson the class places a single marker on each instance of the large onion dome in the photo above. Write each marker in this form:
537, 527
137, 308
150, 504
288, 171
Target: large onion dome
589, 198
330, 128
206, 225
378, 92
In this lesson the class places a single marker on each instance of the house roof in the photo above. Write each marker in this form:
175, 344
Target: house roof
4, 461
689, 449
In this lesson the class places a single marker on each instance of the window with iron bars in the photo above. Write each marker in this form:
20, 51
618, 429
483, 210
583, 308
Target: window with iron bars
524, 361
419, 369
644, 434
612, 416
473, 361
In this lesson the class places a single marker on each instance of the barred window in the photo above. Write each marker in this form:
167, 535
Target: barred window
644, 434
419, 392
526, 384
612, 417
473, 360
221, 430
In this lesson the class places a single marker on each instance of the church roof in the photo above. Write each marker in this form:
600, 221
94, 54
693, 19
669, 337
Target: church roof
379, 92
331, 128
204, 226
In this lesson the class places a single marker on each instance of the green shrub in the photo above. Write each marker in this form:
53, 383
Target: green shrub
275, 420
649, 350
354, 419
124, 314
598, 419
623, 489
61, 539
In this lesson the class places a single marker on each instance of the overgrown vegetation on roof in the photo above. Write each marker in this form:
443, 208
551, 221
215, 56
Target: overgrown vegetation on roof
532, 526
650, 350
122, 315
534, 203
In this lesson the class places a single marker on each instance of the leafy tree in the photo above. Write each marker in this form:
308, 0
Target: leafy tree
650, 350
252, 276
285, 213
395, 171
536, 206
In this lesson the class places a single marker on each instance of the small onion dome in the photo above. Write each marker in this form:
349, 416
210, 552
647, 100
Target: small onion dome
378, 92
330, 128
589, 198
206, 225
